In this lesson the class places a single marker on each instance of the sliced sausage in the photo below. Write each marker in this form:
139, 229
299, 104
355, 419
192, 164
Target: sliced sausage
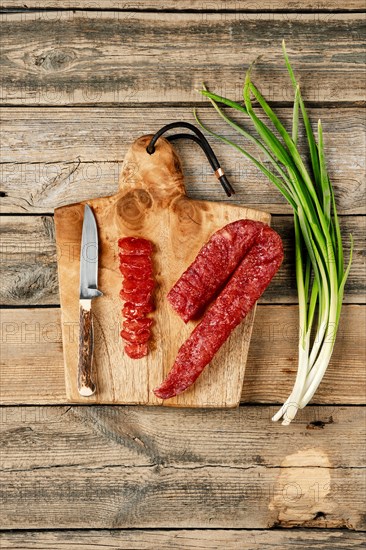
135, 264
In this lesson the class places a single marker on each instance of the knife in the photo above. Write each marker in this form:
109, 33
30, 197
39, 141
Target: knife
88, 291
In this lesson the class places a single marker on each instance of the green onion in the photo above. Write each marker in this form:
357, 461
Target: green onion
320, 273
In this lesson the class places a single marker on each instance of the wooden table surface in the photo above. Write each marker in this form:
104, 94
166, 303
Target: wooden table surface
80, 81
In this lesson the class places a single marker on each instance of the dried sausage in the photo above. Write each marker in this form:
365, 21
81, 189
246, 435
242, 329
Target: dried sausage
246, 285
212, 267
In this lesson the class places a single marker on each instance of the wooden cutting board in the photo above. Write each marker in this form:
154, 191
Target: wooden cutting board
151, 203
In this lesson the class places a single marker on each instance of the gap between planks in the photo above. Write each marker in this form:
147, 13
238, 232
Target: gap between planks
188, 6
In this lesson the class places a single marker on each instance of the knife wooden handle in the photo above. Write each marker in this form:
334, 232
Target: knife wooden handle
86, 385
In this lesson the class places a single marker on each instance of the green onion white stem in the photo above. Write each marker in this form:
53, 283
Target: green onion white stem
320, 272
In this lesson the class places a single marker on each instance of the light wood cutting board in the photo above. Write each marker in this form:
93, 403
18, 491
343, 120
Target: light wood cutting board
151, 203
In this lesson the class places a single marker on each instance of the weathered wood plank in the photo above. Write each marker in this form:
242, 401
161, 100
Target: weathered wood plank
104, 57
57, 156
29, 261
318, 539
32, 362
153, 496
146, 467
186, 5
148, 436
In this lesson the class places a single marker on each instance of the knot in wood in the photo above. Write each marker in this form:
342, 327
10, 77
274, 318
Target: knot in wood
55, 60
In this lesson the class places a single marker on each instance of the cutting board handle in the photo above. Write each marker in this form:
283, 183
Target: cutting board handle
159, 173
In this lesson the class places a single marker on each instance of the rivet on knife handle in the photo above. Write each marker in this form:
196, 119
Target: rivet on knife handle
86, 385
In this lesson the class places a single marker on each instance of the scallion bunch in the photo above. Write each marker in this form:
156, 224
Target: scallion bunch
320, 272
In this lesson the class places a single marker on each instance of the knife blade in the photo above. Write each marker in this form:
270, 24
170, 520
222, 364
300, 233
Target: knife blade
89, 252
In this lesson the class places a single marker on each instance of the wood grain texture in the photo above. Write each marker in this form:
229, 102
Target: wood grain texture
32, 360
151, 203
186, 5
105, 57
192, 539
152, 467
29, 256
48, 161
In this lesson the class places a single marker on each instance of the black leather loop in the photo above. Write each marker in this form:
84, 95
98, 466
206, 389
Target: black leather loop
199, 138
